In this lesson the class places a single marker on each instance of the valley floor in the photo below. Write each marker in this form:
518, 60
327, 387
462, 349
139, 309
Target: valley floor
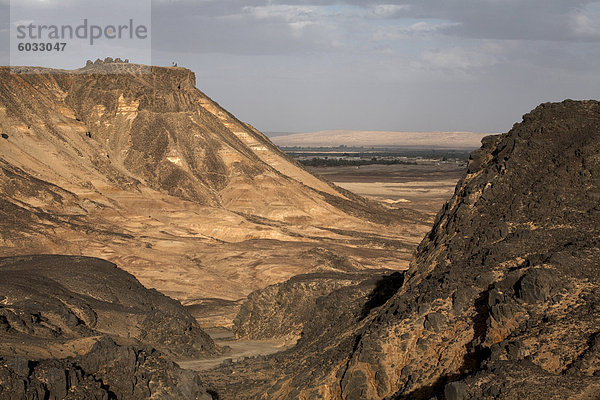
422, 187
239, 349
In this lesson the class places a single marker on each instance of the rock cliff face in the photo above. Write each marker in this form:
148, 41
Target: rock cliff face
135, 165
286, 309
78, 327
509, 268
500, 301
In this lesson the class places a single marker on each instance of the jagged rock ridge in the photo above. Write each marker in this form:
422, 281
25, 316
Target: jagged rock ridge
501, 300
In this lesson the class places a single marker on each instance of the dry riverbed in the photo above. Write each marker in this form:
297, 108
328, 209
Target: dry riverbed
239, 349
423, 187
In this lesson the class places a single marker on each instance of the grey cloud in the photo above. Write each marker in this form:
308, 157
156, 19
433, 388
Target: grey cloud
498, 19
382, 64
492, 19
285, 26
239, 28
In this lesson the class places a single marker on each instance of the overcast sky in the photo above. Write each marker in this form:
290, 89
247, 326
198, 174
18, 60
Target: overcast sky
467, 65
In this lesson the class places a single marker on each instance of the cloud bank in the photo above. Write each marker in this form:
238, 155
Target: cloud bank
301, 65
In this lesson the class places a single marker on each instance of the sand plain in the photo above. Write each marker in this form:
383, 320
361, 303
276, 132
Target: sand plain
423, 187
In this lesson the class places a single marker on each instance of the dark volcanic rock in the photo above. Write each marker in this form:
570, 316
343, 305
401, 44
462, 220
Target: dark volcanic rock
329, 332
455, 391
107, 371
53, 299
283, 309
537, 284
501, 300
525, 380
81, 328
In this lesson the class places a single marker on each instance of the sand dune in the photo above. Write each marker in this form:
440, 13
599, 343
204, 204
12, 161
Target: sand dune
333, 138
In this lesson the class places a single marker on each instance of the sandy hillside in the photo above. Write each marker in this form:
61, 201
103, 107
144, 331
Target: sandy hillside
135, 165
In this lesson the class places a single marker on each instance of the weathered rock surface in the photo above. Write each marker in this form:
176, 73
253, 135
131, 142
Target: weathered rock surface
328, 334
107, 371
49, 303
78, 327
501, 300
284, 309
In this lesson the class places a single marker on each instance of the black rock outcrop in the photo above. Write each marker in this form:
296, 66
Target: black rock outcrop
502, 294
51, 298
107, 371
81, 328
283, 309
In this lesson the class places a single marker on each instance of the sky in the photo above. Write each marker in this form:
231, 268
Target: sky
419, 65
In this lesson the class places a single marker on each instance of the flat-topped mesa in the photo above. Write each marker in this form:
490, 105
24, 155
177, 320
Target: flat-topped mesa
149, 160
159, 78
169, 78
135, 113
146, 84
174, 78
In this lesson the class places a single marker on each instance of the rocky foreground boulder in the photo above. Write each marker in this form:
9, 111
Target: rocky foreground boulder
502, 299
81, 328
107, 371
284, 310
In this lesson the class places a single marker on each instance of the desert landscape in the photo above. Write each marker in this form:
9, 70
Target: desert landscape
419, 140
202, 207
152, 245
151, 175
422, 187
299, 200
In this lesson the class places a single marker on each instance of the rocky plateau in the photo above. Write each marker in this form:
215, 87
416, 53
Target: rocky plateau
134, 165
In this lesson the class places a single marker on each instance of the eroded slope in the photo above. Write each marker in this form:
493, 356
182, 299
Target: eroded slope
135, 165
